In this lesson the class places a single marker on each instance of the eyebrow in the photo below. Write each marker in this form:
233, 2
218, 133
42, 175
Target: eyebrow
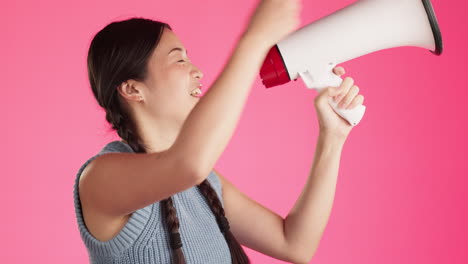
179, 49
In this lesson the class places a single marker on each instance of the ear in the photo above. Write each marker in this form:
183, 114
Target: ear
130, 90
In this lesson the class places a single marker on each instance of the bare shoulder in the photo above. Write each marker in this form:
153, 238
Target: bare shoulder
102, 226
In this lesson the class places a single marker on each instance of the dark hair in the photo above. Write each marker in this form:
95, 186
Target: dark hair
119, 52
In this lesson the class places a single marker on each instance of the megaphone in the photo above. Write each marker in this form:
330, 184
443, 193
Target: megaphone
363, 27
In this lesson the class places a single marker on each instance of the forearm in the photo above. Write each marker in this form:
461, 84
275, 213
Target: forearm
212, 122
306, 221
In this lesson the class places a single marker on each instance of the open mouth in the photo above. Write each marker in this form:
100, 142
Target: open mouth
196, 92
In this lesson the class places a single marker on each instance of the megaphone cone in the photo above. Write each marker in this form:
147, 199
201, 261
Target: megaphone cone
363, 27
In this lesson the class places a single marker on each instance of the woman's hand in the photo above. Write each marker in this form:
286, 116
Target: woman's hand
346, 96
272, 20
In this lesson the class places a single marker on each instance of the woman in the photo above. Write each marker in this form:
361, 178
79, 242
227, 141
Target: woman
153, 196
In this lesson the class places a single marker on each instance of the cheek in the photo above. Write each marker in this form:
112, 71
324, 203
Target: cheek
177, 70
177, 77
171, 82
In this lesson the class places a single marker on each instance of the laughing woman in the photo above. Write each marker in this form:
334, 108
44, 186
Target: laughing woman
153, 196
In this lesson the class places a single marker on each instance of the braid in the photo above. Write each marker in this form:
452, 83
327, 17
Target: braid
238, 255
125, 129
172, 222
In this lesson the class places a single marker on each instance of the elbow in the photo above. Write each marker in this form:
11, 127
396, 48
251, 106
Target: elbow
197, 173
302, 256
307, 259
303, 259
198, 178
190, 168
198, 170
195, 164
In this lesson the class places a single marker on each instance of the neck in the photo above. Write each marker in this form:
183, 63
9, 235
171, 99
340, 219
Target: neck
157, 135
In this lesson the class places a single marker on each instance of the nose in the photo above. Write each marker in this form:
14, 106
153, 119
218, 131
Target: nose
197, 73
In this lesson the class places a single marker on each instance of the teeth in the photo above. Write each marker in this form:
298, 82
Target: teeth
196, 91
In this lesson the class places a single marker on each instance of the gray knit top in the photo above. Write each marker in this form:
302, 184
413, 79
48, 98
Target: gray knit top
145, 238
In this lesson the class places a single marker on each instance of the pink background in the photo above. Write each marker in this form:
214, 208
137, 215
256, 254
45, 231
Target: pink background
400, 195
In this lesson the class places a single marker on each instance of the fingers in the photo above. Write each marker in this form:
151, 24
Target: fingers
339, 92
332, 91
359, 99
349, 97
339, 70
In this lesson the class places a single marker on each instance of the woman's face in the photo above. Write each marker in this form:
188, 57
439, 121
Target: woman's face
171, 79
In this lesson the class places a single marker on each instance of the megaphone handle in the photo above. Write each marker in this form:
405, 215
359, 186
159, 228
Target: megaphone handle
354, 115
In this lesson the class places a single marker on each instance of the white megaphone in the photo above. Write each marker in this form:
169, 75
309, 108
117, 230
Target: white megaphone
365, 26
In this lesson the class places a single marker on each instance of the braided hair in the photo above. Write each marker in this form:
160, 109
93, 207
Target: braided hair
118, 52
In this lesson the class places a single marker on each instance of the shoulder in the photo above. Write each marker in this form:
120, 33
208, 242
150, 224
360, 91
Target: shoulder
111, 147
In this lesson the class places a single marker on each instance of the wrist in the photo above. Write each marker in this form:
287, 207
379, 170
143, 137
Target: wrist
332, 137
256, 42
